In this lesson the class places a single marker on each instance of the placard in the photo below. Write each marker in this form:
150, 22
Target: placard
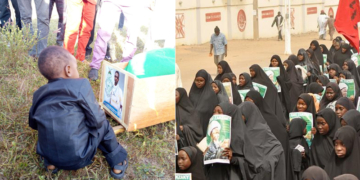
273, 73
243, 94
182, 176
228, 90
260, 88
308, 117
347, 87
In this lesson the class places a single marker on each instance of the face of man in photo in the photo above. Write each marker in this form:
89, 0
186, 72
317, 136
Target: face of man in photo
116, 77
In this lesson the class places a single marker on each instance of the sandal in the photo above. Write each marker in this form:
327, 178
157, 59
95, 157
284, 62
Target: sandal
120, 167
46, 164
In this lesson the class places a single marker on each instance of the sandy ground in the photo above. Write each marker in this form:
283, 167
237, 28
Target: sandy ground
241, 54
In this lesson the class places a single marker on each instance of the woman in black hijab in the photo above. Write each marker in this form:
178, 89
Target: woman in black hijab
296, 81
345, 158
265, 143
315, 88
343, 105
190, 160
236, 96
343, 54
233, 76
294, 59
326, 52
322, 80
314, 45
345, 74
352, 118
223, 67
346, 177
245, 81
271, 98
219, 89
314, 60
301, 160
322, 145
274, 123
203, 97
304, 60
315, 173
332, 94
334, 71
188, 126
305, 103
335, 48
275, 61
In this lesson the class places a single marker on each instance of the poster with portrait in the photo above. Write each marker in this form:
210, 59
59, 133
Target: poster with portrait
273, 73
217, 139
182, 176
260, 88
243, 94
116, 92
308, 117
347, 87
228, 90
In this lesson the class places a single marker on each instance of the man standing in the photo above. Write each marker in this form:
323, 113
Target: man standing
116, 95
322, 23
278, 20
330, 23
219, 43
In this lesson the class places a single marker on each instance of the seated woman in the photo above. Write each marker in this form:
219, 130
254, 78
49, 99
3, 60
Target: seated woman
322, 80
345, 158
334, 72
190, 160
327, 123
343, 105
219, 89
245, 81
236, 96
332, 94
222, 67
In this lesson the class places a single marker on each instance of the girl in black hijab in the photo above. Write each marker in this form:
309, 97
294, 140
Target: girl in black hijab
322, 80
245, 81
274, 123
304, 60
322, 146
236, 96
219, 89
301, 160
345, 74
275, 61
315, 88
271, 98
296, 81
350, 66
305, 103
343, 105
188, 126
314, 60
335, 48
190, 160
326, 52
223, 67
345, 158
265, 143
233, 76
314, 45
315, 173
334, 72
294, 59
203, 97
332, 94
352, 118
343, 54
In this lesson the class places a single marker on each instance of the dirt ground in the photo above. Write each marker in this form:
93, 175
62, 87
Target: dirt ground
241, 54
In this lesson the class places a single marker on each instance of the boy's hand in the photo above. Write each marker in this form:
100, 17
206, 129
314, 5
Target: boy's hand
210, 54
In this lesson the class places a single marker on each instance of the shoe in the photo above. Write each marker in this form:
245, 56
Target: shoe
93, 74
46, 164
108, 58
120, 167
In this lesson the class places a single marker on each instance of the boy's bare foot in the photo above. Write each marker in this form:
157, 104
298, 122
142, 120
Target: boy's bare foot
51, 167
116, 171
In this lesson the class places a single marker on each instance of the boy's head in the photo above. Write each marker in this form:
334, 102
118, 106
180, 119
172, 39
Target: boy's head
217, 31
56, 62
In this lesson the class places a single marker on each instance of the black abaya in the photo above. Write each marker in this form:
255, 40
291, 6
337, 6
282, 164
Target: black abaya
296, 81
315, 173
352, 118
196, 168
226, 69
337, 94
248, 82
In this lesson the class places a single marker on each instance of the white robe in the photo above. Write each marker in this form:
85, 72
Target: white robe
116, 98
322, 22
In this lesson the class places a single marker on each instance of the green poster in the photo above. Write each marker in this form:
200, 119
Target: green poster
347, 87
318, 97
321, 68
182, 176
260, 88
333, 80
309, 120
243, 94
227, 86
217, 139
325, 58
358, 105
273, 73
323, 93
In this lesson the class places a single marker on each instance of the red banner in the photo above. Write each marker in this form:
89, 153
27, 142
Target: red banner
267, 14
347, 17
311, 10
213, 16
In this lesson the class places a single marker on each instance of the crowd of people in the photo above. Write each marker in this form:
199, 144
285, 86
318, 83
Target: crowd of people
264, 140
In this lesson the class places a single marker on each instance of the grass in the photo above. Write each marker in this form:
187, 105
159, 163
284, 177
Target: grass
150, 150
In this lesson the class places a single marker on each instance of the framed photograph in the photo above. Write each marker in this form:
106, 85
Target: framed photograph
116, 92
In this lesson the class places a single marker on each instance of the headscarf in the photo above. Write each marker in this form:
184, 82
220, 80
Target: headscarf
314, 88
340, 57
280, 65
344, 101
233, 76
352, 118
335, 67
318, 53
347, 74
236, 96
324, 101
248, 82
296, 81
264, 141
222, 95
196, 168
314, 60
296, 128
322, 145
314, 173
323, 79
355, 75
327, 52
271, 96
204, 99
351, 162
346, 177
309, 101
226, 69
187, 116
294, 59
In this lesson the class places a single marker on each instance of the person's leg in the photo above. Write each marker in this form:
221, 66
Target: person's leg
91, 39
51, 5
61, 9
17, 13
106, 23
221, 58
85, 30
74, 10
25, 13
216, 59
43, 21
5, 14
